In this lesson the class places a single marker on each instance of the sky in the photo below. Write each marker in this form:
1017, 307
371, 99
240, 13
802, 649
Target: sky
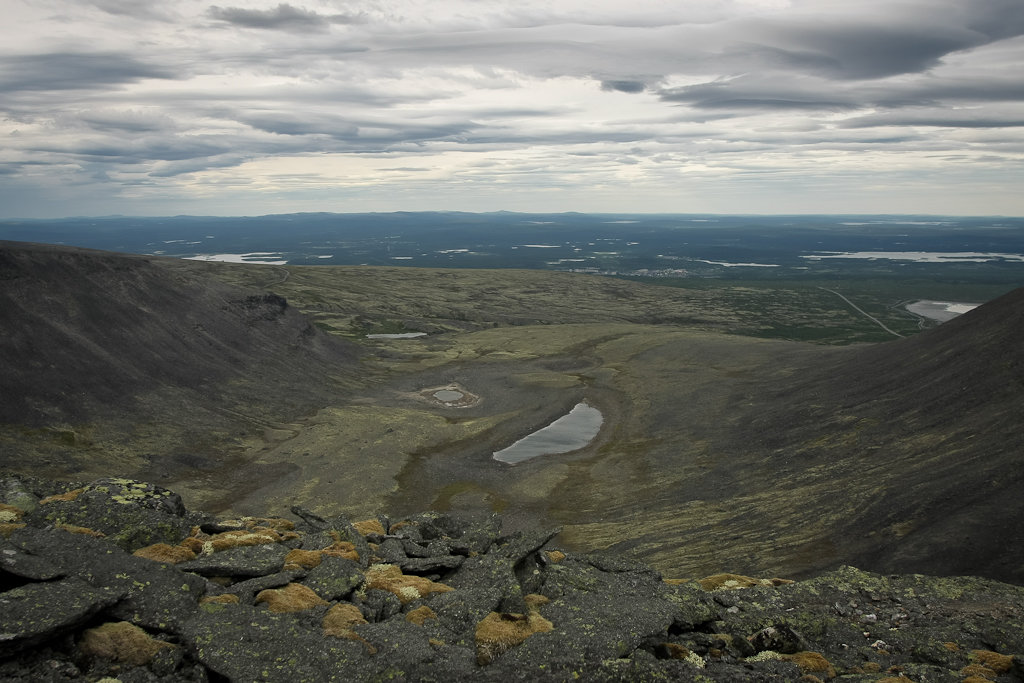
690, 106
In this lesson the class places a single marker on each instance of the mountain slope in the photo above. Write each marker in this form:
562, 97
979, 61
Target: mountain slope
86, 332
927, 432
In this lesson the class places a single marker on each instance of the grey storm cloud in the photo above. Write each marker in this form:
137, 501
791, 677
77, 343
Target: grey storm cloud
75, 71
284, 17
624, 86
756, 94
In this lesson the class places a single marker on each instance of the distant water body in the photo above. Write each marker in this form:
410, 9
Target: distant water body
568, 433
940, 310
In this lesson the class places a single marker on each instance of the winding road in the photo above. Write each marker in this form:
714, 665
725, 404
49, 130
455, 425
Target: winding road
863, 312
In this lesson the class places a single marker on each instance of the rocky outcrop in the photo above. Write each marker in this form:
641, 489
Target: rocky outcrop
117, 579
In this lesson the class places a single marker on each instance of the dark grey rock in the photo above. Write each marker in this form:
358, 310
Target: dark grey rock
378, 605
391, 551
612, 619
247, 590
523, 544
253, 560
156, 595
311, 522
429, 565
405, 651
334, 578
781, 638
37, 612
243, 643
342, 526
16, 561
493, 580
598, 614
130, 513
413, 549
315, 540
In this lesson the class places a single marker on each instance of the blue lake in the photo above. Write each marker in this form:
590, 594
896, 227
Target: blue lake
568, 433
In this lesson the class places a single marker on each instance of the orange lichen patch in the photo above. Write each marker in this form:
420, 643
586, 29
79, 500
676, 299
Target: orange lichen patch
420, 614
10, 513
65, 497
276, 523
811, 663
535, 600
977, 671
389, 577
398, 526
895, 679
338, 623
340, 619
977, 679
7, 529
436, 642
302, 559
192, 543
122, 642
735, 582
342, 549
501, 631
555, 556
676, 651
238, 539
161, 552
993, 660
677, 582
952, 647
369, 526
291, 598
871, 667
222, 599
342, 616
84, 531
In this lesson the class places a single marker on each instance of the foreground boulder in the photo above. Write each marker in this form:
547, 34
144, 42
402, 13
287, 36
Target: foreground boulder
439, 597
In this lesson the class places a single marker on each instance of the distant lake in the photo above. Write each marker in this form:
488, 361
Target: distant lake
568, 433
940, 310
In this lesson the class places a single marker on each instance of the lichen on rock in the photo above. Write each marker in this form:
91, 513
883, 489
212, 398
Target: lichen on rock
500, 632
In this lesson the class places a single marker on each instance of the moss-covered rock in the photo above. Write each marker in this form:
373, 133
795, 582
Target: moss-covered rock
510, 608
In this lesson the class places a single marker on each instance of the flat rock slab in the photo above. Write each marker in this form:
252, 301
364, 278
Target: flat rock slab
14, 560
334, 578
247, 643
156, 595
37, 612
253, 560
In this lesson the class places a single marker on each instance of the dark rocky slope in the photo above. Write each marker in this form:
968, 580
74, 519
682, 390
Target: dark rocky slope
88, 332
117, 578
116, 363
926, 432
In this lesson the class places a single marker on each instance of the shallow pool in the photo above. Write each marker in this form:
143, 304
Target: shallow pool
568, 433
448, 395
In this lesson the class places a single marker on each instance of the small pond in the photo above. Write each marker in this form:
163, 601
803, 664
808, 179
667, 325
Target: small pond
448, 395
400, 335
568, 433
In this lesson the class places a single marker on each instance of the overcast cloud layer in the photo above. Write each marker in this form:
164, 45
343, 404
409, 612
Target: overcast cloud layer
734, 106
